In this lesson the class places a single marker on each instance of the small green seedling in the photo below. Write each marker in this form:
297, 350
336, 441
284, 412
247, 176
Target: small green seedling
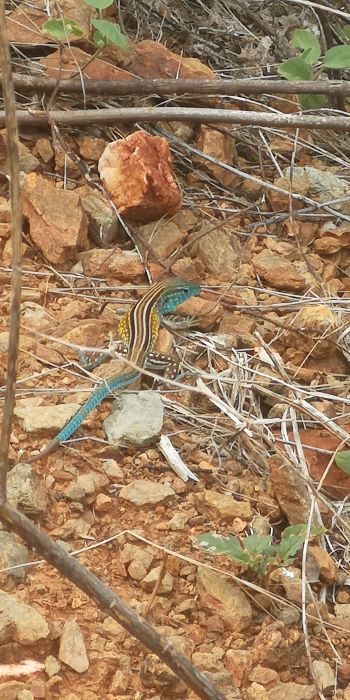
308, 63
64, 29
257, 551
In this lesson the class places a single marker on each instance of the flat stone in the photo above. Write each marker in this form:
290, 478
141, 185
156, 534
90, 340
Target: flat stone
30, 625
221, 507
27, 491
324, 674
166, 585
52, 666
86, 485
225, 600
41, 417
57, 221
135, 418
13, 553
292, 691
112, 469
278, 272
72, 650
142, 492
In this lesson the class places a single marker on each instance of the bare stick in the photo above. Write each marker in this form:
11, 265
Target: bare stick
16, 233
159, 86
192, 114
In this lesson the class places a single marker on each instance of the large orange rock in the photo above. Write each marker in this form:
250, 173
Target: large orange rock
152, 60
66, 66
57, 222
137, 174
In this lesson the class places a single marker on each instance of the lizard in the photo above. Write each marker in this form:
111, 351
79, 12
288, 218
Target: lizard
138, 329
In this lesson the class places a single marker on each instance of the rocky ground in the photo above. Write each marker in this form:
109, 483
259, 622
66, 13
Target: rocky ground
259, 409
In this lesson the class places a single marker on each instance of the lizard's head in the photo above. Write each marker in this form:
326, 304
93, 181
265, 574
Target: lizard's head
177, 291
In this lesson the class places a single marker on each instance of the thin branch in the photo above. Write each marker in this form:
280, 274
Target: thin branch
16, 234
251, 86
332, 10
194, 114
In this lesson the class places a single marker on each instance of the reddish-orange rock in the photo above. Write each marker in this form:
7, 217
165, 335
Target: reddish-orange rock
57, 221
137, 174
24, 24
112, 263
152, 60
332, 240
221, 146
278, 271
318, 446
67, 63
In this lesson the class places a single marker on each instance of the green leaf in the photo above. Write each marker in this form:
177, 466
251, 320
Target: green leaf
342, 460
312, 101
295, 69
346, 31
109, 32
218, 544
256, 544
99, 4
337, 57
304, 39
61, 29
293, 538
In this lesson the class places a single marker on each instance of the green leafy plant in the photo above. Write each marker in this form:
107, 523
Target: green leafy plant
304, 66
106, 32
257, 551
342, 460
62, 29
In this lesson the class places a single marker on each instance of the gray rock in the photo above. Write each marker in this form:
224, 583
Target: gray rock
324, 674
292, 691
77, 527
224, 599
179, 521
26, 490
219, 250
37, 418
72, 647
142, 492
52, 666
325, 184
112, 469
86, 485
12, 553
138, 559
135, 418
166, 585
30, 625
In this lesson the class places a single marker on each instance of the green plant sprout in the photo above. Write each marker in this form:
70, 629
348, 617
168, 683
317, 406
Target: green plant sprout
302, 67
257, 551
106, 32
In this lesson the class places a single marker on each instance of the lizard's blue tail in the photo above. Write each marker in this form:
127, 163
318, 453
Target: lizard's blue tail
100, 393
